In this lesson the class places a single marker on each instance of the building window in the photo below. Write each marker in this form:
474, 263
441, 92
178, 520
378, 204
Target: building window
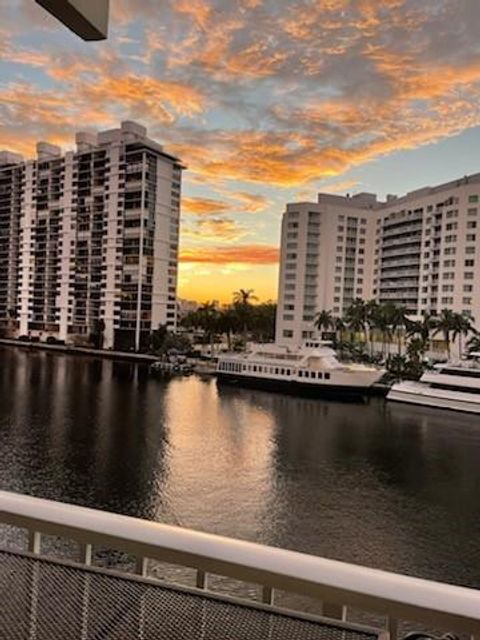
468, 288
472, 224
469, 263
468, 276
466, 301
473, 199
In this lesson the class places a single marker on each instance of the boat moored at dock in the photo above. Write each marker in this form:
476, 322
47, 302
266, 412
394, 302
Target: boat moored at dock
310, 369
453, 385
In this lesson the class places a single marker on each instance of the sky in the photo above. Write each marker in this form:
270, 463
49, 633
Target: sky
265, 101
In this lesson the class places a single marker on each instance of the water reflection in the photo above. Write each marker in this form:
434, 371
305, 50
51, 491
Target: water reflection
385, 485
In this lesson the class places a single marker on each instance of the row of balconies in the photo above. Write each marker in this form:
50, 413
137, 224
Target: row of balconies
404, 294
394, 284
398, 273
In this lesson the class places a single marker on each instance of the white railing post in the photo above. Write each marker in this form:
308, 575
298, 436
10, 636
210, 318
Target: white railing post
267, 595
141, 566
86, 554
34, 541
392, 626
34, 546
201, 579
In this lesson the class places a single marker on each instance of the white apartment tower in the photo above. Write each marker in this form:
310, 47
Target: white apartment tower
421, 250
89, 240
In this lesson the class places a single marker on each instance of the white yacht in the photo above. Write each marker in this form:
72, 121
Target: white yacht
454, 385
312, 367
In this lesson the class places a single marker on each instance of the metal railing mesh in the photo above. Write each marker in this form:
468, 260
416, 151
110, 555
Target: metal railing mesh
44, 599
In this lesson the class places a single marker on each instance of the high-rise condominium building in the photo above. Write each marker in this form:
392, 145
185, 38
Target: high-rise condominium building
89, 239
421, 250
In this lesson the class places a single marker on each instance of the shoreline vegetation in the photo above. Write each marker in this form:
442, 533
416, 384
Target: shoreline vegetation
368, 332
386, 334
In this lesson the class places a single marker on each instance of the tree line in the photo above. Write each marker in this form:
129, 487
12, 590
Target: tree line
240, 321
389, 323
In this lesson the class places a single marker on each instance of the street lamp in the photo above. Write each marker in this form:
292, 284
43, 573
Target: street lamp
87, 18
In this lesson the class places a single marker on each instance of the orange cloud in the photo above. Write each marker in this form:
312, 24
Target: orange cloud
198, 10
244, 254
256, 61
204, 206
158, 99
251, 202
213, 229
240, 201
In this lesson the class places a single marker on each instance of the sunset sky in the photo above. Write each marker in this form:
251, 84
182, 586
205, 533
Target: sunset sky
266, 101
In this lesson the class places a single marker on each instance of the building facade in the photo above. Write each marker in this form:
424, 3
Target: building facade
89, 240
421, 250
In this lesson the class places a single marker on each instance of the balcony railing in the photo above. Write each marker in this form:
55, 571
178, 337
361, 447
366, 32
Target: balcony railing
341, 585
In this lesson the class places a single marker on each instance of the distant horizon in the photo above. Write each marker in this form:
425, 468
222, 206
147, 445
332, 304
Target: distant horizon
265, 102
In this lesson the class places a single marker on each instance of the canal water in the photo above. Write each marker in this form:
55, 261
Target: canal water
381, 484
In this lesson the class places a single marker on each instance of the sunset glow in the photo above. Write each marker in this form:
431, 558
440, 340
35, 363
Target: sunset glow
265, 101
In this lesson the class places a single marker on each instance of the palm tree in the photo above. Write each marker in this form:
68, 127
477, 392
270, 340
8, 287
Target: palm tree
421, 328
462, 326
324, 321
399, 319
446, 325
242, 302
339, 328
227, 323
356, 317
207, 317
244, 296
263, 317
371, 312
473, 344
390, 318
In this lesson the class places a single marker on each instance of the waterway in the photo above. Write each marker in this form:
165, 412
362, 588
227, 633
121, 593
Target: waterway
380, 484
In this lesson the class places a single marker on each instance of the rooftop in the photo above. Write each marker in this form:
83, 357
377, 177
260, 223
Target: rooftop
129, 132
368, 201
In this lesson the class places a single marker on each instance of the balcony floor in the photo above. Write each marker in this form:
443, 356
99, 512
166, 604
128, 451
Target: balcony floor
45, 599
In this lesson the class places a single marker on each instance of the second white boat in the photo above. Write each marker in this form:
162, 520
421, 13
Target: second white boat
454, 386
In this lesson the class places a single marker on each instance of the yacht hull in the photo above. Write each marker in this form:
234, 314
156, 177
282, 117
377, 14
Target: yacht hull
422, 394
346, 393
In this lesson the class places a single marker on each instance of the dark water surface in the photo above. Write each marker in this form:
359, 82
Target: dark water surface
383, 485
